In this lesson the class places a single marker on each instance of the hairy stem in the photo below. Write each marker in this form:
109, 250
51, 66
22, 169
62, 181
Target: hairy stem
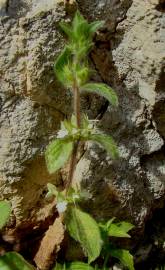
77, 105
72, 166
76, 144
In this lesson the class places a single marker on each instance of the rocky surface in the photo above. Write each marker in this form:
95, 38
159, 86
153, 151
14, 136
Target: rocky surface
129, 56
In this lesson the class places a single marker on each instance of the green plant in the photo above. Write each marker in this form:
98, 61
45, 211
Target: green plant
11, 260
5, 211
72, 70
14, 261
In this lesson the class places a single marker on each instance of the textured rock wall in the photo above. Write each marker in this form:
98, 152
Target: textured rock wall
129, 55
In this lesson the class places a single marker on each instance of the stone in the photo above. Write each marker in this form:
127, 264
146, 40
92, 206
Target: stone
128, 55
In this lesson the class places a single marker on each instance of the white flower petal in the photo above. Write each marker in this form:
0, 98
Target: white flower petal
61, 206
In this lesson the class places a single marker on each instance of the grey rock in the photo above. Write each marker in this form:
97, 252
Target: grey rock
129, 56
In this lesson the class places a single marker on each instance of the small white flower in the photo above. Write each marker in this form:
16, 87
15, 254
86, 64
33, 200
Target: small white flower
61, 207
62, 133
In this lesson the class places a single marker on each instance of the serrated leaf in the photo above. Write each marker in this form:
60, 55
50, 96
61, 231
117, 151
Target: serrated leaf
124, 256
14, 261
5, 211
73, 266
102, 90
116, 231
58, 153
84, 229
107, 142
125, 226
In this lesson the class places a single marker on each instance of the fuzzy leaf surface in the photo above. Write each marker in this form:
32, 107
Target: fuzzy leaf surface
14, 261
5, 211
61, 67
84, 229
102, 90
58, 153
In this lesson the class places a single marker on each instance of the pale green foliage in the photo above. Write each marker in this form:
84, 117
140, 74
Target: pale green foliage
84, 229
101, 89
120, 229
58, 153
5, 211
14, 261
71, 65
62, 68
80, 34
123, 256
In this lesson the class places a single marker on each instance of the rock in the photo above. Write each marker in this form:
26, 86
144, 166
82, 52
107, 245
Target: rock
128, 55
50, 246
131, 60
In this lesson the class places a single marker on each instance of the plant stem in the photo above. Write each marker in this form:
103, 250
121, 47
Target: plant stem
77, 105
72, 166
106, 261
76, 144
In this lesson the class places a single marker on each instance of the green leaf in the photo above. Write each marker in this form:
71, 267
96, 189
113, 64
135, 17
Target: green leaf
66, 29
58, 153
82, 75
125, 226
94, 26
59, 266
115, 230
107, 142
73, 266
109, 222
105, 225
102, 90
14, 261
60, 66
124, 257
84, 229
53, 191
5, 211
79, 25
